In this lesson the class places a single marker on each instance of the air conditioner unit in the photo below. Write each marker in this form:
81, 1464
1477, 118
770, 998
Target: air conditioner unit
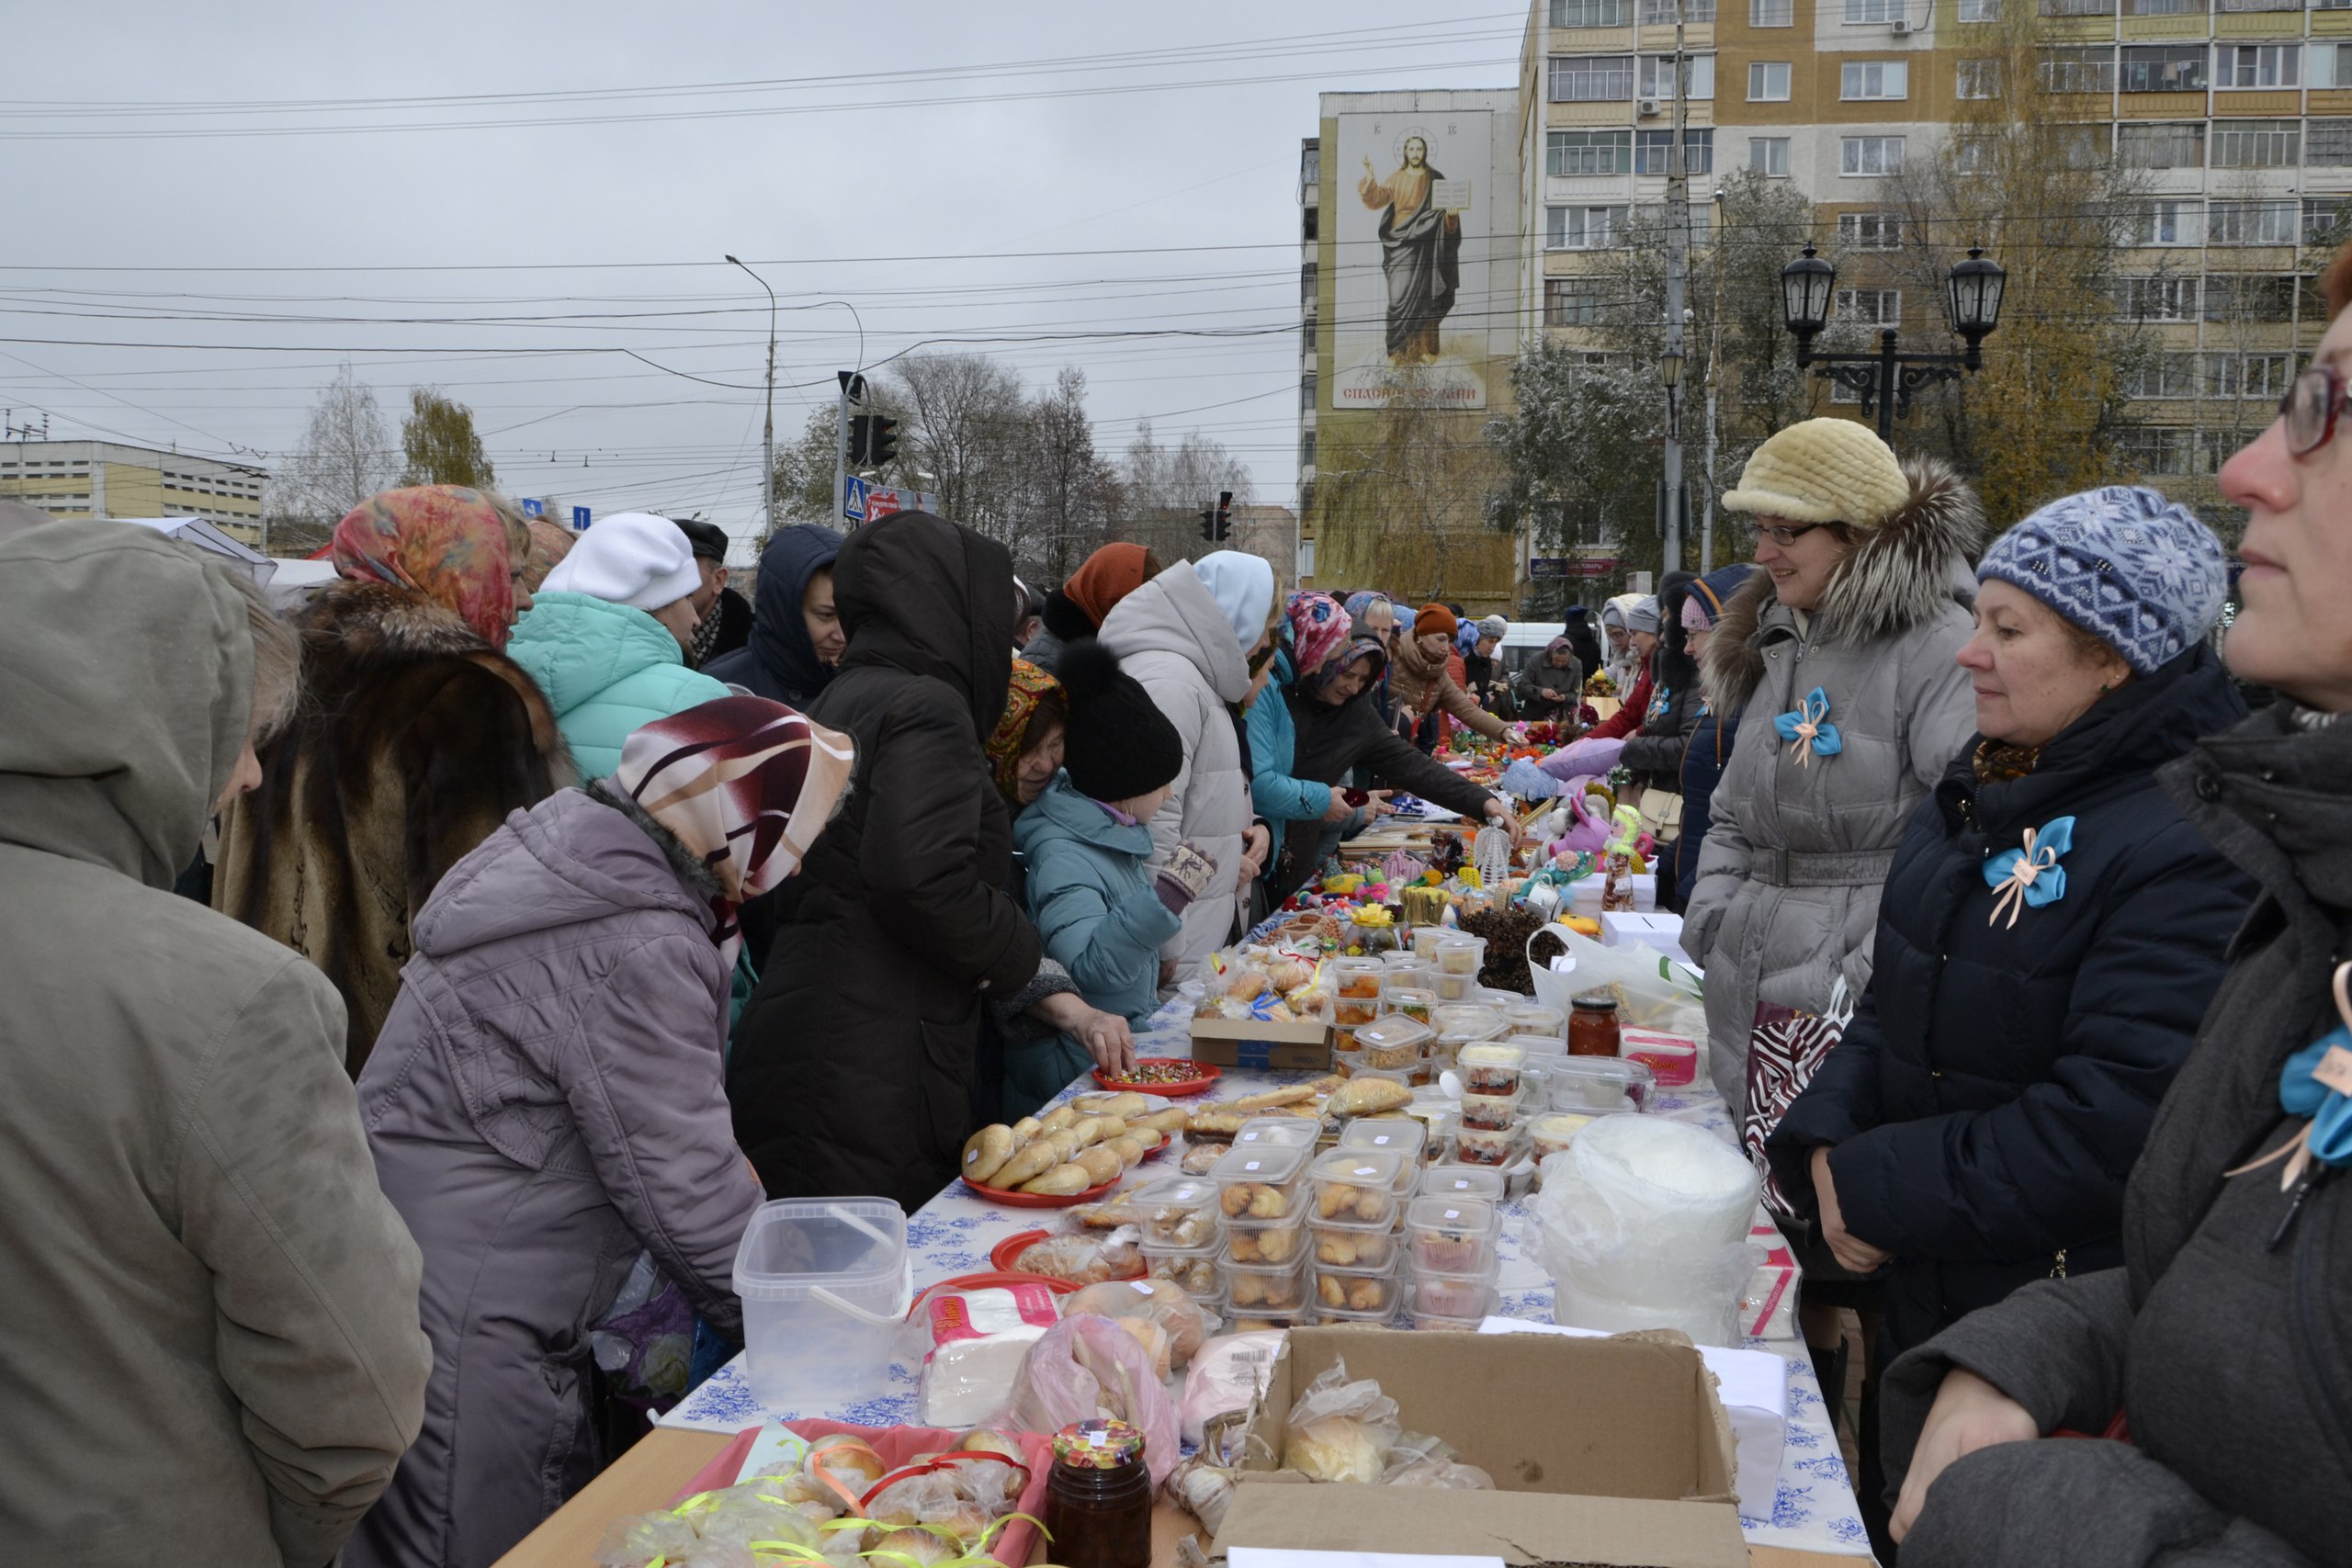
1647, 107
1900, 30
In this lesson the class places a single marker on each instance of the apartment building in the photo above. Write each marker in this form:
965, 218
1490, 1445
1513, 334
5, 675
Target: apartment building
83, 480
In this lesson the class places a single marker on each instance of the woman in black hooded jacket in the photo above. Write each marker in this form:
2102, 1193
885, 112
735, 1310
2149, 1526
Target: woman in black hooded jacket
782, 661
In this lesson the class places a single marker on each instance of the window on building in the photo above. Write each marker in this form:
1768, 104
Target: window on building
1306, 223
1591, 78
1870, 155
1657, 76
2324, 220
1971, 151
1767, 80
2267, 223
1307, 286
1571, 302
2162, 68
2257, 4
1307, 392
1873, 79
2246, 374
2163, 7
2078, 69
1567, 154
2326, 65
2162, 222
1879, 11
1870, 230
1306, 448
1584, 228
1306, 333
1870, 307
2167, 374
1590, 13
2241, 298
2078, 7
2328, 142
1977, 79
1650, 149
1769, 155
1771, 12
2156, 299
2255, 144
1660, 13
1310, 165
2161, 146
2258, 65
1980, 10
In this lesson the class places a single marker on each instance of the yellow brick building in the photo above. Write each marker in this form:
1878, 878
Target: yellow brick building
86, 480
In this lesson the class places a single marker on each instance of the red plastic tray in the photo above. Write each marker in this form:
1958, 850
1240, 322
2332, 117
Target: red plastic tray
1004, 1252
1040, 1199
999, 1278
1204, 1077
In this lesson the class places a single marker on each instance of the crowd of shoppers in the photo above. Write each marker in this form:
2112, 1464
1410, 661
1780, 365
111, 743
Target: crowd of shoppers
508, 817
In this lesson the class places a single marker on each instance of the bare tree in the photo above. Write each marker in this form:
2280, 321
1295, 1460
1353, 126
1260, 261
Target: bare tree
345, 457
1069, 494
1168, 487
965, 414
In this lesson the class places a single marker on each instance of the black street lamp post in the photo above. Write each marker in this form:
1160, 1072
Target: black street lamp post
1887, 379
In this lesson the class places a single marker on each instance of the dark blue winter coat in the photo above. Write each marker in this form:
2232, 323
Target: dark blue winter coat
1702, 768
1997, 1083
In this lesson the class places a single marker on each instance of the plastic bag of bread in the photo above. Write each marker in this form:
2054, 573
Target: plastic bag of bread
1088, 1368
1419, 1459
1341, 1431
1163, 1302
1227, 1375
1084, 1260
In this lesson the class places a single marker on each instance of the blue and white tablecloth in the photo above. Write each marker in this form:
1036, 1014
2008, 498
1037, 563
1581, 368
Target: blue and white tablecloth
953, 1233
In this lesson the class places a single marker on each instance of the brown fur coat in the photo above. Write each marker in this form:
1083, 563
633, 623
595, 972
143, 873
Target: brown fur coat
414, 741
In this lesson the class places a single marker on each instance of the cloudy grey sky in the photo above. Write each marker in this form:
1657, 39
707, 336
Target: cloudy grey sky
210, 213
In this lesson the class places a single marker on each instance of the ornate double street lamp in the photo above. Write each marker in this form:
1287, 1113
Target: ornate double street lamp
1886, 380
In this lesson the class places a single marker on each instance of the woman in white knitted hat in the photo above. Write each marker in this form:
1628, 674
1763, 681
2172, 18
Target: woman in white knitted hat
608, 635
1840, 651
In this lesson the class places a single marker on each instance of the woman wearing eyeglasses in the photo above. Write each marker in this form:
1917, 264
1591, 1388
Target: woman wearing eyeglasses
2221, 1353
1840, 653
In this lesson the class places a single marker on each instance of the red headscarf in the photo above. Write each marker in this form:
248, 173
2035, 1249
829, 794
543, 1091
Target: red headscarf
1108, 575
446, 541
745, 784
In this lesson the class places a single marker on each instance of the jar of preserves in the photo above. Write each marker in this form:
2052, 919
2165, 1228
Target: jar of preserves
1098, 1499
1592, 1024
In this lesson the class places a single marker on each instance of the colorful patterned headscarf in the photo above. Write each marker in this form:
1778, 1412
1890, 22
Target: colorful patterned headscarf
1031, 685
744, 782
1362, 645
1359, 603
1315, 628
444, 541
1465, 637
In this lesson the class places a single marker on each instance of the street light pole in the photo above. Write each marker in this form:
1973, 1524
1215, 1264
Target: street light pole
1886, 379
767, 431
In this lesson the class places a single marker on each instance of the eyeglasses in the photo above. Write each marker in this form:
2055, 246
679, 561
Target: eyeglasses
2310, 406
1781, 534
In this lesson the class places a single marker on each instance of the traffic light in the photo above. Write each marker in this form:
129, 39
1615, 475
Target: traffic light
1223, 517
873, 440
1208, 524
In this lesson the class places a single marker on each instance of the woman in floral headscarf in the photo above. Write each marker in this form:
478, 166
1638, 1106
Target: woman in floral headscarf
1313, 629
579, 960
419, 736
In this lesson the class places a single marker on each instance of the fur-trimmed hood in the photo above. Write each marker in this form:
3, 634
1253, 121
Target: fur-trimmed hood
1896, 576
364, 619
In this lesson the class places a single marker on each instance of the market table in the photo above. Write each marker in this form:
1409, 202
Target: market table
1813, 1519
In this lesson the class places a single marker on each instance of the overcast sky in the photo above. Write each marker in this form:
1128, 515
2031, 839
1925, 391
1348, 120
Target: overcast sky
921, 160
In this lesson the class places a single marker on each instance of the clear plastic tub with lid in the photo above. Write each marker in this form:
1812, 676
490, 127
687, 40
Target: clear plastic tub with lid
1263, 1320
1405, 968
1266, 1182
1535, 1018
823, 1283
1261, 1286
1490, 1113
1337, 1246
1456, 987
1275, 1242
1496, 997
1283, 1131
1416, 1001
1180, 1213
1597, 1082
1460, 953
1487, 1145
1464, 1024
1392, 1044
1402, 1133
1451, 1302
1451, 1235
1491, 1067
1357, 1186
1199, 1269
1355, 984
1551, 1133
1356, 1294
1463, 1181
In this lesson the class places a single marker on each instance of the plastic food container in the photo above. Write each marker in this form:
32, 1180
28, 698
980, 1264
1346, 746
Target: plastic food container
1456, 987
1416, 1001
1465, 1025
1461, 954
1255, 1288
1597, 1083
1552, 1134
1539, 1047
1485, 1145
1401, 1133
1405, 968
1360, 1296
1261, 1183
1282, 1131
1357, 979
1357, 1186
1392, 1043
1345, 1060
1497, 998
1491, 1068
1426, 938
1393, 1074
1180, 1213
1490, 1113
1349, 1011
1336, 1246
1535, 1018
1262, 1320
825, 1283
1451, 1235
1462, 1181
1443, 1302
1198, 1270
1274, 1242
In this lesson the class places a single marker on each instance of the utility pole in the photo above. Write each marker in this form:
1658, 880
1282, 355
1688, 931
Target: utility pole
767, 432
1714, 379
1678, 273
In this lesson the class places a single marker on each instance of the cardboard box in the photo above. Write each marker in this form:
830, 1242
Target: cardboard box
1664, 933
1603, 1452
1246, 1042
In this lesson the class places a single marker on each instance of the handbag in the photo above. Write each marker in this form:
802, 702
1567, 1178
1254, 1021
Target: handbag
1785, 1046
1661, 812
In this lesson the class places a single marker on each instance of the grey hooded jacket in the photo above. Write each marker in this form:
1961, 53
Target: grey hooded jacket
207, 1311
544, 1102
1787, 896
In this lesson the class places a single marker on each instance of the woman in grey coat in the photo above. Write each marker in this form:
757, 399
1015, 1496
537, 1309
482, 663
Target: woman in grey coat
544, 1101
1841, 652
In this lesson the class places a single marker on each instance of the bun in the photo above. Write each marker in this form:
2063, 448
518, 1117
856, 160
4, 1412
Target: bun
1031, 1161
986, 1151
1060, 1181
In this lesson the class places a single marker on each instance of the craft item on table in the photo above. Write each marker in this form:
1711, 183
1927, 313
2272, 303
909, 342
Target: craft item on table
1807, 729
1403, 868
2030, 877
1424, 906
1527, 780
1492, 855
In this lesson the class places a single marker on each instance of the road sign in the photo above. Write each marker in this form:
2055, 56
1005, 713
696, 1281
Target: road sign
1593, 566
534, 507
1542, 566
579, 518
884, 502
854, 499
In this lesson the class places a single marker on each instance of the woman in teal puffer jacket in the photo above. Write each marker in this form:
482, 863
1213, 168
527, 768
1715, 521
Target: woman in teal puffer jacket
1313, 627
607, 636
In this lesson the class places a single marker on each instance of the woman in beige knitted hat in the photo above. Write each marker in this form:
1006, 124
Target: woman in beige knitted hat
1841, 652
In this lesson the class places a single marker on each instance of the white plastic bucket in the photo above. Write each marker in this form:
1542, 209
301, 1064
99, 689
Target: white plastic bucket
825, 1284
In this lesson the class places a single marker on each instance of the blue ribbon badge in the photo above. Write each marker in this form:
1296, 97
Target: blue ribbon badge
2031, 876
1807, 729
2317, 1083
